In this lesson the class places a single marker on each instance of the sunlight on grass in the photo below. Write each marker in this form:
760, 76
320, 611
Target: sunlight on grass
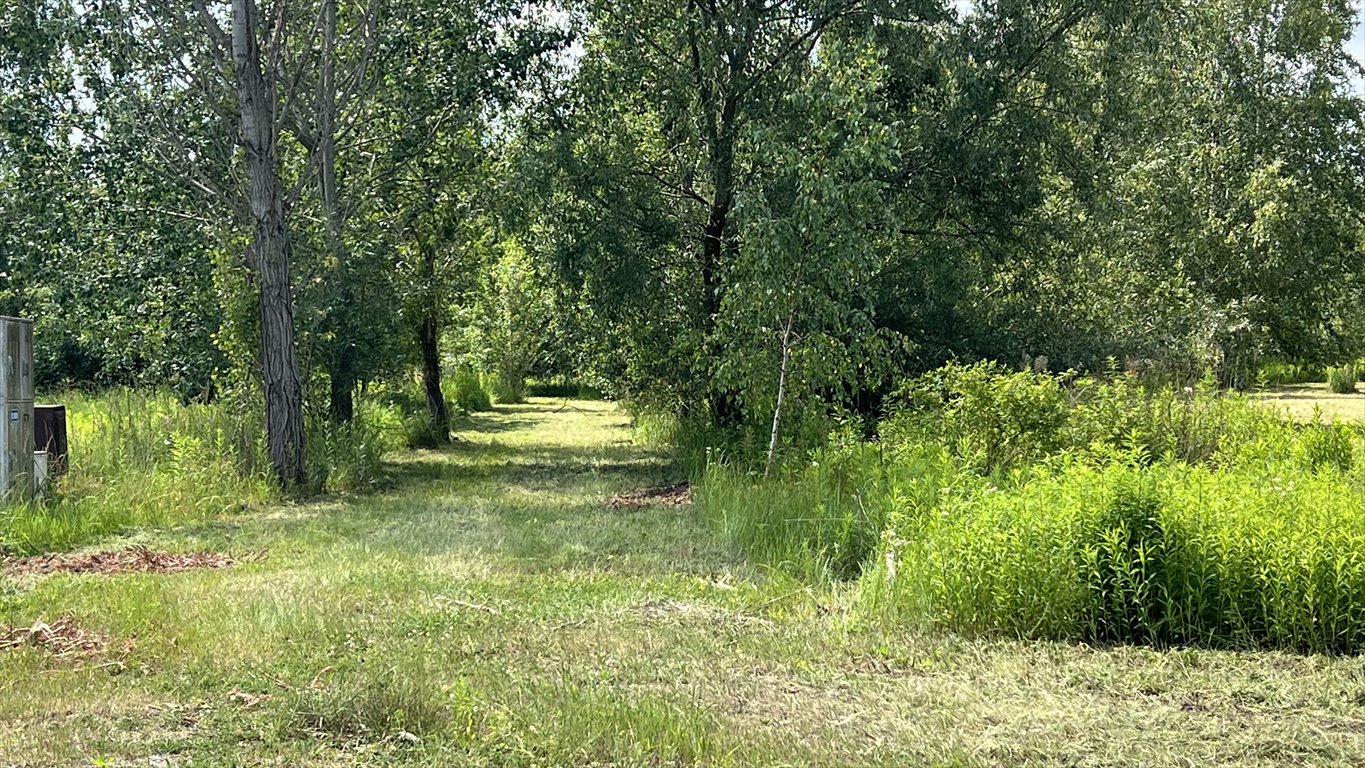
489, 609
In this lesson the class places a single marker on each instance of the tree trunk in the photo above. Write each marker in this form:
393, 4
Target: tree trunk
429, 339
725, 412
341, 403
270, 251
429, 342
781, 393
342, 363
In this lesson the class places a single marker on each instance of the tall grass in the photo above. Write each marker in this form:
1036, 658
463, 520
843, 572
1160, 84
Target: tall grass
469, 392
1342, 380
141, 460
1164, 555
349, 458
1025, 505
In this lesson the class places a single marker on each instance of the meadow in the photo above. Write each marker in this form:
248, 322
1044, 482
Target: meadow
998, 599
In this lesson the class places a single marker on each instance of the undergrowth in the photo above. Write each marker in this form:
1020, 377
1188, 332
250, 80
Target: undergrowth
1039, 506
142, 460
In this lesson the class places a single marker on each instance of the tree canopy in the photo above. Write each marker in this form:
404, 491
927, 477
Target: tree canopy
715, 207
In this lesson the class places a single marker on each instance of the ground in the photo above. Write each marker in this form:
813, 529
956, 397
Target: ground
1304, 401
494, 609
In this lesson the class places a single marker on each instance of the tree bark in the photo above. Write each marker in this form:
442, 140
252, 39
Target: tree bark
342, 363
781, 393
429, 343
341, 403
270, 250
429, 340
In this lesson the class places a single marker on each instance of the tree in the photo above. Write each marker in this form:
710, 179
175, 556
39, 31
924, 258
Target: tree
652, 161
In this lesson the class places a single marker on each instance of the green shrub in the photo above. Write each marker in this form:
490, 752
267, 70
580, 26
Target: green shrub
1117, 514
350, 457
471, 396
990, 418
509, 390
1281, 373
559, 388
421, 433
656, 428
1161, 555
996, 421
1342, 380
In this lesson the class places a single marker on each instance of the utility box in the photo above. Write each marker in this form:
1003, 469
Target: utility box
16, 400
49, 434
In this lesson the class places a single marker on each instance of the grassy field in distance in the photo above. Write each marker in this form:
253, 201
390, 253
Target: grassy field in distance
1301, 402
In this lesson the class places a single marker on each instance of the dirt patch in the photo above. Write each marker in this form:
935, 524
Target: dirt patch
135, 560
62, 638
665, 496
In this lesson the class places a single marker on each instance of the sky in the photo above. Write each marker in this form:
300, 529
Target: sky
1357, 47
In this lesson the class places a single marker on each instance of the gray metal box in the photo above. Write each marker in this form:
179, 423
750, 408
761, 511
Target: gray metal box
16, 408
16, 458
16, 359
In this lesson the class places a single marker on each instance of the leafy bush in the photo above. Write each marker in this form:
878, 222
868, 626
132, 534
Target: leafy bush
988, 417
350, 457
558, 389
1342, 380
509, 390
1016, 504
420, 432
996, 421
471, 396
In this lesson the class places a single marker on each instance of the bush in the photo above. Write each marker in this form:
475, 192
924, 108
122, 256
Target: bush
509, 390
1018, 505
470, 394
997, 421
350, 457
1342, 380
421, 433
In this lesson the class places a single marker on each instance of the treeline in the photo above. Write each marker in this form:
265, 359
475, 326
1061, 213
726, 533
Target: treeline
728, 209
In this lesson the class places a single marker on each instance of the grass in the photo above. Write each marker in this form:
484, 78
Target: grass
490, 610
1308, 401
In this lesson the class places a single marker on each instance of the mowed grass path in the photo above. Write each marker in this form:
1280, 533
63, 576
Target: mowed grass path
492, 610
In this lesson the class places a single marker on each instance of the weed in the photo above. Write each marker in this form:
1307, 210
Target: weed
470, 393
1342, 380
367, 703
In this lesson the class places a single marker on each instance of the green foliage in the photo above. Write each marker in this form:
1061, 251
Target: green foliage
1020, 504
996, 421
514, 313
1342, 380
1283, 374
143, 460
469, 390
826, 521
1167, 555
348, 457
419, 433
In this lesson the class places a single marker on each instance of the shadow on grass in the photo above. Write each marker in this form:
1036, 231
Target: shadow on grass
537, 506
